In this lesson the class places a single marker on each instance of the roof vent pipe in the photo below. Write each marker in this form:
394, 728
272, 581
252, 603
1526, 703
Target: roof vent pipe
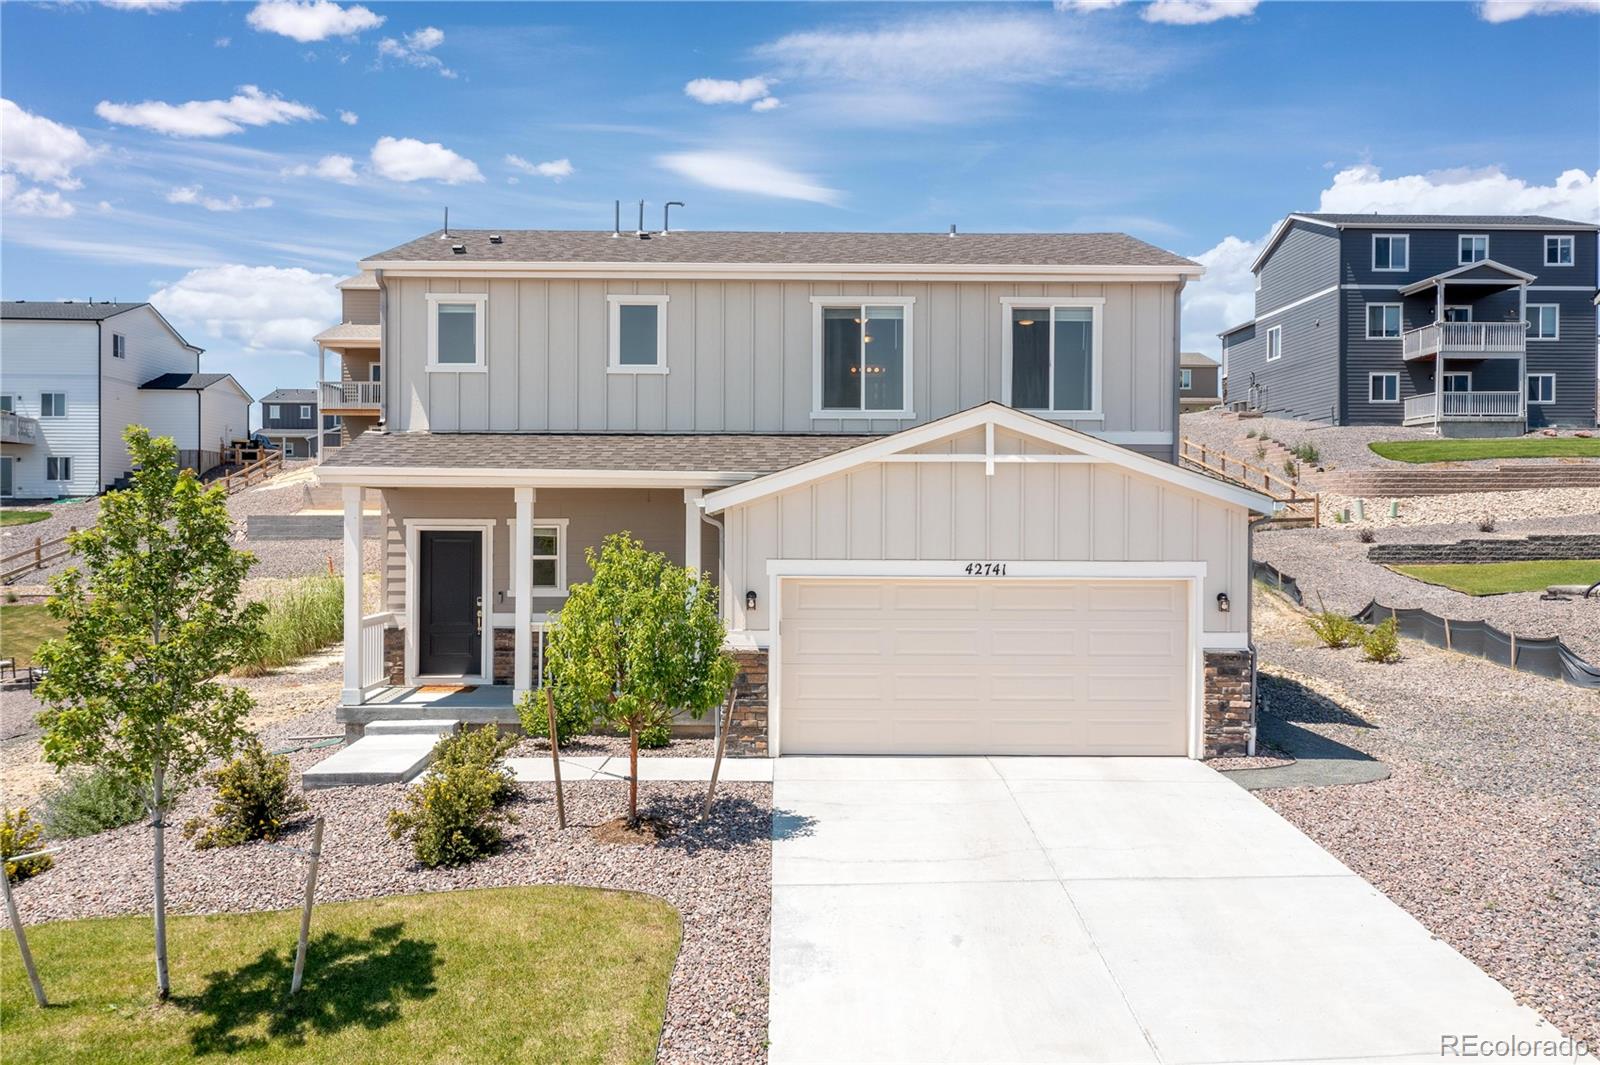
666, 215
952, 229
640, 231
616, 218
446, 233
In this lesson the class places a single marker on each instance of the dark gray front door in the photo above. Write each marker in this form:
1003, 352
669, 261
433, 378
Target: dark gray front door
449, 606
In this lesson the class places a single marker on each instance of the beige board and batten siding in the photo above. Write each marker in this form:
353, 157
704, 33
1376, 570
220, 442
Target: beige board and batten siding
740, 356
931, 511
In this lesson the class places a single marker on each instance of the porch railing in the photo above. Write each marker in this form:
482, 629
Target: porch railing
373, 668
1463, 337
17, 429
1419, 408
336, 394
1465, 405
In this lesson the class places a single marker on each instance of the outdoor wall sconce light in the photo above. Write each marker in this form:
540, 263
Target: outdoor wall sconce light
749, 600
1222, 602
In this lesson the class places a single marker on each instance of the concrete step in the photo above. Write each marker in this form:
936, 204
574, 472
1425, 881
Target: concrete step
434, 726
380, 759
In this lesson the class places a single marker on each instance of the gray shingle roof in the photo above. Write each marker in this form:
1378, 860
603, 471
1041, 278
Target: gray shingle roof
58, 311
290, 395
599, 246
1445, 220
193, 382
348, 332
753, 453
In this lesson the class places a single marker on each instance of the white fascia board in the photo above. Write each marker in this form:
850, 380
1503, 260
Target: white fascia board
446, 477
1277, 234
1429, 282
975, 417
788, 271
1537, 227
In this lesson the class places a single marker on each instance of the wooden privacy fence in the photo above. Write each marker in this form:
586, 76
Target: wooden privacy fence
1298, 506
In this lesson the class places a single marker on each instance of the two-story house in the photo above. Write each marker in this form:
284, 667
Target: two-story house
1199, 383
290, 419
75, 375
932, 475
1473, 325
351, 401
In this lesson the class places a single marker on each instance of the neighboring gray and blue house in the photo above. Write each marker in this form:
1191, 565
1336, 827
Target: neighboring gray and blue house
1371, 319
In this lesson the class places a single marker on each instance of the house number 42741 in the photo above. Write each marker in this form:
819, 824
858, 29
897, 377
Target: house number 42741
986, 569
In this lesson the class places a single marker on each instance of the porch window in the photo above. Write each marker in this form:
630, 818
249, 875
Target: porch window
1055, 358
549, 555
1275, 343
7, 404
1473, 248
1457, 381
862, 357
1541, 388
455, 331
1458, 313
1383, 320
1558, 250
58, 468
1383, 387
1544, 321
1391, 251
52, 404
638, 334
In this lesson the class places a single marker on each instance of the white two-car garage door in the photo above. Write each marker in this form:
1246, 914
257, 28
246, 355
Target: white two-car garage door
878, 666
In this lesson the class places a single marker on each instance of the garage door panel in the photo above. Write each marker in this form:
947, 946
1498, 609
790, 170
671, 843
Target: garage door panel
973, 667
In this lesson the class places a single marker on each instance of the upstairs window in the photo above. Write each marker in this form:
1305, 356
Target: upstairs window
1560, 250
305, 412
119, 346
1473, 248
863, 357
52, 404
1391, 251
1053, 356
638, 334
1275, 343
1383, 320
1544, 321
274, 411
455, 331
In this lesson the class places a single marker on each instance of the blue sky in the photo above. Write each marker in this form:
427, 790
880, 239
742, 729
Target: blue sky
234, 160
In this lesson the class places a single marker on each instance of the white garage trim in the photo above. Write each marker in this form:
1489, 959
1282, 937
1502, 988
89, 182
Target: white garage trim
780, 570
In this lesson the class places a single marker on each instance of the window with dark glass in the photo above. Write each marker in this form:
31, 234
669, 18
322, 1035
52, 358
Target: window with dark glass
863, 358
1052, 358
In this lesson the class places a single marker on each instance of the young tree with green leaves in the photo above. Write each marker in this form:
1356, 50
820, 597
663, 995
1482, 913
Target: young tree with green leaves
639, 640
153, 618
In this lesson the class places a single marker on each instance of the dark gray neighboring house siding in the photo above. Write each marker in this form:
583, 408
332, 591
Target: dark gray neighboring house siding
1304, 382
1571, 359
1305, 260
1433, 251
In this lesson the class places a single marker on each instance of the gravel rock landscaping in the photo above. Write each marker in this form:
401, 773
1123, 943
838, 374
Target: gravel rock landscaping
1486, 831
1330, 565
1466, 508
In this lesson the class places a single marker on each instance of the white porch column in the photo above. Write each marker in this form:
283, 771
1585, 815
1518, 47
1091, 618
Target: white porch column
351, 695
691, 528
1522, 357
522, 588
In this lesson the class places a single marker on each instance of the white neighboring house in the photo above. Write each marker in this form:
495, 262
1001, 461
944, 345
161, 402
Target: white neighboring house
74, 375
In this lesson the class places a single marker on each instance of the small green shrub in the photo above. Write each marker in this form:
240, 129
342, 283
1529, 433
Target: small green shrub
655, 737
304, 616
1291, 469
1367, 536
453, 816
572, 719
1261, 452
1306, 452
1382, 642
85, 803
254, 801
1333, 629
19, 834
1486, 523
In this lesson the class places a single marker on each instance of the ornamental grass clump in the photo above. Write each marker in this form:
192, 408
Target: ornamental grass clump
19, 834
254, 801
91, 801
1381, 643
454, 815
301, 617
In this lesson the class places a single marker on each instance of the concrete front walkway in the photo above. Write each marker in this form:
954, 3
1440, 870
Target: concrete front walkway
1093, 910
615, 767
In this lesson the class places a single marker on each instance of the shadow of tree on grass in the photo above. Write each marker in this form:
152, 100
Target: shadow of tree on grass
349, 981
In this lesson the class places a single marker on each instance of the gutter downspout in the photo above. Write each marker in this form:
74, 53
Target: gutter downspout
383, 333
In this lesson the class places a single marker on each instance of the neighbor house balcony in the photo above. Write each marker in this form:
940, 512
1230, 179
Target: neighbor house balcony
1465, 406
352, 397
16, 429
1465, 340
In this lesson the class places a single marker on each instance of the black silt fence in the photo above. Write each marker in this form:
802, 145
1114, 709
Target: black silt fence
1545, 656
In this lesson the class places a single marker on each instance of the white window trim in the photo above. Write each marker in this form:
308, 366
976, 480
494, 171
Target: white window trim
1371, 377
274, 411
119, 346
480, 301
1384, 336
1277, 329
1459, 249
1533, 338
415, 526
65, 406
58, 460
1560, 238
861, 302
375, 370
1455, 373
1097, 307
1185, 379
1457, 307
614, 305
560, 525
305, 410
1406, 237
1529, 392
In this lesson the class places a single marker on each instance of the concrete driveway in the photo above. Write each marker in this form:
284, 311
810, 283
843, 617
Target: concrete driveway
1087, 909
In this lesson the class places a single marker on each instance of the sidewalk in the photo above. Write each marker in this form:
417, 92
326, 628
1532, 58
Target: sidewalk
615, 767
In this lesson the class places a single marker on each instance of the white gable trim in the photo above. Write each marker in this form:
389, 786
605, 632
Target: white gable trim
986, 416
1429, 282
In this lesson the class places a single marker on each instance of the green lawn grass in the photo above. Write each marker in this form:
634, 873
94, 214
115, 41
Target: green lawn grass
1495, 578
530, 974
21, 517
23, 627
1516, 447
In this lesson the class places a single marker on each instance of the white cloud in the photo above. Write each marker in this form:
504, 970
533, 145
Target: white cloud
416, 50
40, 149
1197, 12
1086, 5
340, 168
408, 159
1509, 10
766, 103
1225, 296
262, 308
554, 168
745, 173
223, 42
312, 20
349, 118
148, 6
717, 91
195, 195
33, 201
208, 118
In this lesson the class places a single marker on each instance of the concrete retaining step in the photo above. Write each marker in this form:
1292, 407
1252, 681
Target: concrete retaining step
435, 726
391, 758
1450, 481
